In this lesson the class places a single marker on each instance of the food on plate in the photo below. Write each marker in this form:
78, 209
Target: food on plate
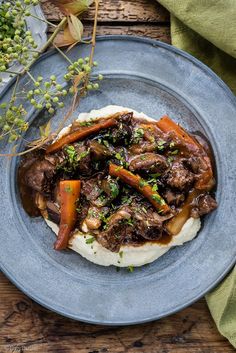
119, 187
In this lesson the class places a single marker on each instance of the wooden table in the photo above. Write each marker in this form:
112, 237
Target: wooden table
27, 327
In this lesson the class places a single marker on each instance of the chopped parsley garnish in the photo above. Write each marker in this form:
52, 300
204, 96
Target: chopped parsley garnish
175, 152
106, 143
121, 254
90, 240
144, 209
138, 134
83, 154
161, 145
68, 189
143, 183
170, 159
155, 187
155, 175
92, 213
114, 190
158, 199
172, 144
71, 153
86, 123
118, 156
131, 269
143, 158
126, 199
129, 222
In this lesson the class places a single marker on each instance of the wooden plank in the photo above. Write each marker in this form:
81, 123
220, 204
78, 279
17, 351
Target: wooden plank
117, 11
152, 31
27, 327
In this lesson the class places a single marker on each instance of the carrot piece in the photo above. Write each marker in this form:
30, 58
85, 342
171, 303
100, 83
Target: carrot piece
176, 223
80, 134
168, 125
69, 192
139, 184
206, 182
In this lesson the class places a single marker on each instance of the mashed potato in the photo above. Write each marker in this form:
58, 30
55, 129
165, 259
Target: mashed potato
129, 255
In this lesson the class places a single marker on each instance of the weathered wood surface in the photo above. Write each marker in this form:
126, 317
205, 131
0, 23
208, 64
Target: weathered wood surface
135, 17
26, 327
117, 10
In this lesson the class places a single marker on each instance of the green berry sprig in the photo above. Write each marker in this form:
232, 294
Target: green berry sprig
47, 94
82, 68
16, 43
12, 122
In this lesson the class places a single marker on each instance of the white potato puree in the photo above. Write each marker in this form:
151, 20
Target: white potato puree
128, 255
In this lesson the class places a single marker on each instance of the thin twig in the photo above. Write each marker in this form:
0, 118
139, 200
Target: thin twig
43, 20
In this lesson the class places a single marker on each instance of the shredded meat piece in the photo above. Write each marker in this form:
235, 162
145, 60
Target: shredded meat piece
113, 237
173, 198
202, 205
98, 150
90, 189
149, 162
179, 177
143, 147
40, 175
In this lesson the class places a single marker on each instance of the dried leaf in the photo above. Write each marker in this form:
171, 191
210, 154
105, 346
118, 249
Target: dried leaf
76, 27
72, 6
64, 38
45, 129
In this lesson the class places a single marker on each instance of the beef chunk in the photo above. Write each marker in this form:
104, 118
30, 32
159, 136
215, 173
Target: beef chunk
91, 189
173, 198
98, 150
150, 162
39, 176
117, 231
121, 134
202, 205
179, 177
147, 223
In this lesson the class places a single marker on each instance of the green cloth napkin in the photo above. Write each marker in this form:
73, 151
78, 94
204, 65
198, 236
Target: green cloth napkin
207, 30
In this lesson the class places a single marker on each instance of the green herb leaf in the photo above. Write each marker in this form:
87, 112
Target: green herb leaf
114, 190
131, 269
121, 254
138, 134
90, 240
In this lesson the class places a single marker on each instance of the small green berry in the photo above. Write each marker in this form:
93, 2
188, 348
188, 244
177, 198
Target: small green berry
61, 104
33, 101
95, 63
55, 99
86, 59
48, 105
51, 110
39, 106
59, 87
100, 77
47, 84
53, 78
47, 96
64, 92
37, 84
39, 78
89, 87
80, 61
95, 85
36, 91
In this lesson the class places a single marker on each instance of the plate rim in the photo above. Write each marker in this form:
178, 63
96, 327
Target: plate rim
227, 269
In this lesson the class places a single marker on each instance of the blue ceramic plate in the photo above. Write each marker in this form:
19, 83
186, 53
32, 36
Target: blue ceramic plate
157, 79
